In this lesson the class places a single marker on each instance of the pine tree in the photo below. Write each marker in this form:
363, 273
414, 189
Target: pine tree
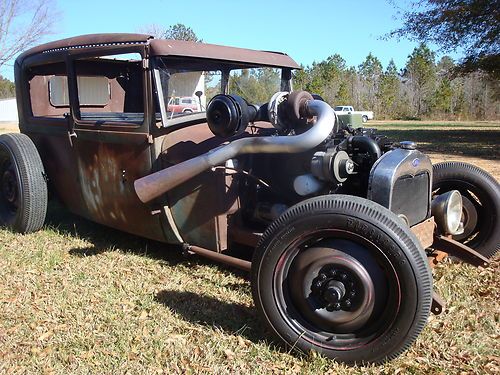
388, 94
370, 72
420, 72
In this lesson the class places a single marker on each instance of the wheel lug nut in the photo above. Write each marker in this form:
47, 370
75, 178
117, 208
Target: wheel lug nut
333, 272
322, 276
343, 276
352, 293
336, 306
347, 303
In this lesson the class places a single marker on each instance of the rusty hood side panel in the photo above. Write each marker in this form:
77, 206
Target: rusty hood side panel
201, 205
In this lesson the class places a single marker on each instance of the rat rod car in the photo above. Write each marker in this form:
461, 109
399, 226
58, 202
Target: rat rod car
343, 226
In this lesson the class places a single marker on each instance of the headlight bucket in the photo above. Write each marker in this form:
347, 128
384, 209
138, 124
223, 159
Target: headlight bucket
447, 212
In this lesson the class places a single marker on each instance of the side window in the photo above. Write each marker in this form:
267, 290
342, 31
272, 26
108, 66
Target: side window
48, 88
58, 91
93, 91
111, 89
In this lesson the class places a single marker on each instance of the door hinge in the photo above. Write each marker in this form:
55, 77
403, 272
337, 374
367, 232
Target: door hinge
145, 63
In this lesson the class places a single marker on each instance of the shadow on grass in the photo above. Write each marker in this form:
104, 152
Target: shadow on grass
104, 239
232, 318
478, 143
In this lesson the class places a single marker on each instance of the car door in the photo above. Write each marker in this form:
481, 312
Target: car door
43, 83
109, 96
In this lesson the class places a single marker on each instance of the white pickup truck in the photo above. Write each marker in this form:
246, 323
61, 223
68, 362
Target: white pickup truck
343, 109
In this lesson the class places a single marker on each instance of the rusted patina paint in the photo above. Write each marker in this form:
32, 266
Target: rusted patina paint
59, 161
201, 205
103, 40
162, 47
93, 173
425, 232
106, 171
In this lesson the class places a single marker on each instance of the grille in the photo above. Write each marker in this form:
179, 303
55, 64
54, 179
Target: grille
410, 197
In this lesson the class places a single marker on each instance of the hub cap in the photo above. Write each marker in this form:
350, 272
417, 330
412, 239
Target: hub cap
9, 186
9, 189
336, 288
332, 289
469, 219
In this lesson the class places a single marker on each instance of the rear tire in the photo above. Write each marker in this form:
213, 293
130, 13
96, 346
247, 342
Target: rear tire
23, 189
481, 197
342, 276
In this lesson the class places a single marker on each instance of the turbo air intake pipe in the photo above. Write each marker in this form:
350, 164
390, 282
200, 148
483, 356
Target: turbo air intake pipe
158, 183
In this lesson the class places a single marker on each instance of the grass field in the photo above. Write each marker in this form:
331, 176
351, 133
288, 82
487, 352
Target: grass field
479, 139
79, 298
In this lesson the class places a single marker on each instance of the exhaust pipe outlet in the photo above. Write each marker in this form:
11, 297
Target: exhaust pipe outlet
158, 183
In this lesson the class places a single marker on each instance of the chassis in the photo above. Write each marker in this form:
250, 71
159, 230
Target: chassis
342, 225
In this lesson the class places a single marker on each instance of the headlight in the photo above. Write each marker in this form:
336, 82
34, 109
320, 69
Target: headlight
447, 211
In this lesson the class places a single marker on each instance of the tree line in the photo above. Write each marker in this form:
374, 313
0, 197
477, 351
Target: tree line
467, 89
7, 88
423, 88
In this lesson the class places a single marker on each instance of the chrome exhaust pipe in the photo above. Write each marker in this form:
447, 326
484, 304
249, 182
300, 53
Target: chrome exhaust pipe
158, 183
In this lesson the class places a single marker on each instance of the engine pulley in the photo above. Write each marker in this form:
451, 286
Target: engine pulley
332, 165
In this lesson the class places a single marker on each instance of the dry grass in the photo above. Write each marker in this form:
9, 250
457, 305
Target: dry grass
80, 298
8, 127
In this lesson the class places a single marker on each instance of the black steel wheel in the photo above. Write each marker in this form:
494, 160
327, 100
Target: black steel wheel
481, 203
23, 189
342, 276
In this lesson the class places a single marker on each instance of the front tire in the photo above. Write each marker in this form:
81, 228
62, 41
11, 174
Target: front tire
342, 276
481, 203
23, 190
364, 119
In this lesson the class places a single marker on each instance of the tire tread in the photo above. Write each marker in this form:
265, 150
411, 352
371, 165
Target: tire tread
34, 186
464, 171
386, 219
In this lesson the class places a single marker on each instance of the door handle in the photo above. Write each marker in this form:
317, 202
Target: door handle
71, 128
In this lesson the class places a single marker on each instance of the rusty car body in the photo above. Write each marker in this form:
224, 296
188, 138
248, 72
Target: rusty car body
345, 223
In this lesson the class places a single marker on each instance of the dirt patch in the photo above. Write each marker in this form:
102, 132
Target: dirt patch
9, 127
490, 166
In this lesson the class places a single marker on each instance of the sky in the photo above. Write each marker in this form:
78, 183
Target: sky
308, 31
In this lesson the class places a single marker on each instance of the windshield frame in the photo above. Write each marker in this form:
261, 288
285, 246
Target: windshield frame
197, 64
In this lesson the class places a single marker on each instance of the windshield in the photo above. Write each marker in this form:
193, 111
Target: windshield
188, 92
256, 86
188, 86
